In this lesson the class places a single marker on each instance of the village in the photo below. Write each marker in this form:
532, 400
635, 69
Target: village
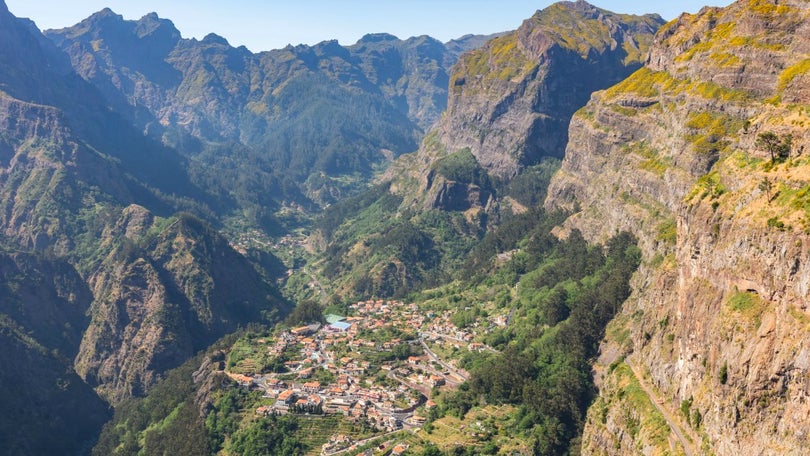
375, 366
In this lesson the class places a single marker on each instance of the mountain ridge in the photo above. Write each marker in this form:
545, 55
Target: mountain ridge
69, 169
675, 154
205, 95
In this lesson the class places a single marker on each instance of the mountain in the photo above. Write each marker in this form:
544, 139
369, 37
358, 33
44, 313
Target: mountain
124, 146
299, 118
510, 102
701, 154
107, 283
504, 131
169, 289
49, 409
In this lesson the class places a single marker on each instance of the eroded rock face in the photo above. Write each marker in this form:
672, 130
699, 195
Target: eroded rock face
718, 321
161, 295
152, 290
511, 101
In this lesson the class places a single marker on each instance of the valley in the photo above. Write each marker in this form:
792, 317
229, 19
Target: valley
587, 235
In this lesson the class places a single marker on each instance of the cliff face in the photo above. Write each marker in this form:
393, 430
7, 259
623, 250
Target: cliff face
80, 188
49, 409
716, 330
170, 289
510, 101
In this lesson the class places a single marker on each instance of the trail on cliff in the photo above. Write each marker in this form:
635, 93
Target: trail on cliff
686, 442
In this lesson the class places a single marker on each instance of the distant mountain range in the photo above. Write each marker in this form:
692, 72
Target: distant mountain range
309, 123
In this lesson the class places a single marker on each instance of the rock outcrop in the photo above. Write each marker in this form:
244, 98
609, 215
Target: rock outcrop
510, 101
168, 290
49, 409
717, 327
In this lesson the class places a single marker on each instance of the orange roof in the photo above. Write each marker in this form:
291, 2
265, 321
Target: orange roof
285, 395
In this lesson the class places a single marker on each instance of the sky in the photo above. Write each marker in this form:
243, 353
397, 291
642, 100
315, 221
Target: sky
263, 25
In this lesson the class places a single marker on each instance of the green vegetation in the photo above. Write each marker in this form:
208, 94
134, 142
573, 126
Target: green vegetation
748, 305
668, 232
462, 166
778, 148
166, 420
529, 187
652, 161
641, 415
709, 185
652, 84
568, 292
499, 59
268, 437
584, 36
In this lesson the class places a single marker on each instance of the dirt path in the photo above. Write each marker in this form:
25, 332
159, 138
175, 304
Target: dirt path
688, 443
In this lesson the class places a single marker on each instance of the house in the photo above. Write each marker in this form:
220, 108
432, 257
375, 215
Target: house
287, 397
336, 391
436, 380
301, 331
312, 387
241, 379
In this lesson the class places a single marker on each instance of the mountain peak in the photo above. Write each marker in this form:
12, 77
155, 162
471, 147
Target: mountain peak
151, 23
213, 38
377, 38
106, 13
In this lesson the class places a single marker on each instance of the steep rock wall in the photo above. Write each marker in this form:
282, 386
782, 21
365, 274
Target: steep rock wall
511, 101
718, 323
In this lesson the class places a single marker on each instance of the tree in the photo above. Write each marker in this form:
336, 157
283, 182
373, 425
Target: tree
305, 312
766, 185
778, 148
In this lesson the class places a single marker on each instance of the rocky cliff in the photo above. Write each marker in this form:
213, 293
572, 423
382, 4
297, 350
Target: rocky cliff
509, 105
105, 285
167, 290
510, 101
701, 154
49, 409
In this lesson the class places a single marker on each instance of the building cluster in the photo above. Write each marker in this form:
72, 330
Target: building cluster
330, 367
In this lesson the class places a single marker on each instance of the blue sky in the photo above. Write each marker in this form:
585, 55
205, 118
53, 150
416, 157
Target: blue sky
270, 24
